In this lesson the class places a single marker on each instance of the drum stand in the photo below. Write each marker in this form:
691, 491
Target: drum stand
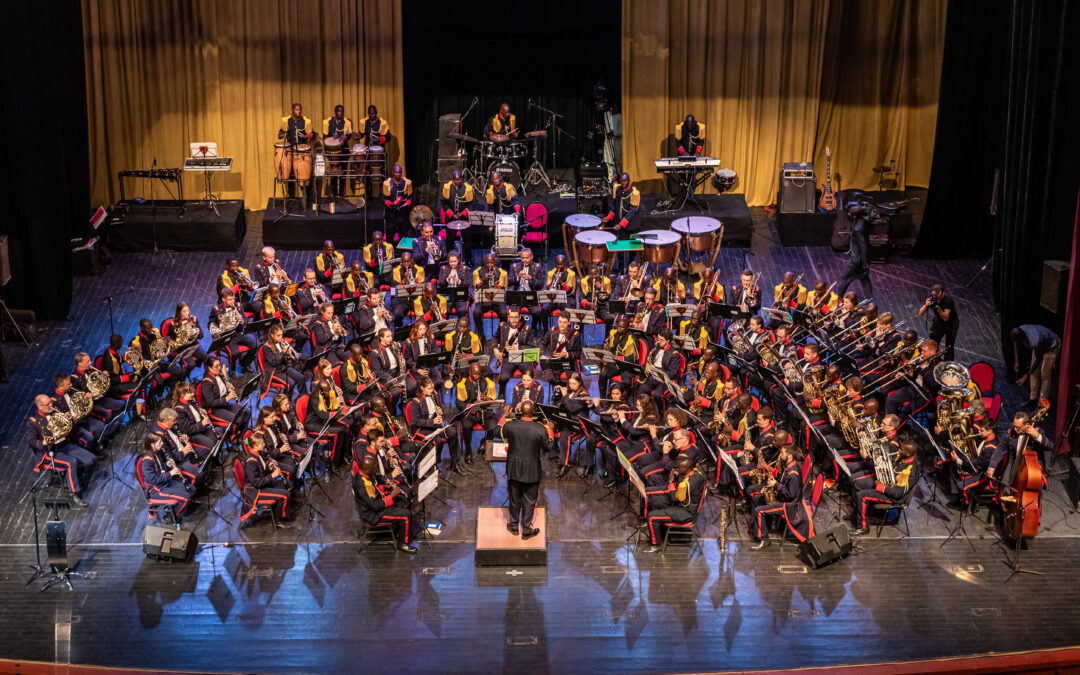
208, 197
535, 175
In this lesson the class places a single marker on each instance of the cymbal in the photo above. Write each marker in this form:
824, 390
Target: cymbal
464, 137
881, 168
458, 225
420, 214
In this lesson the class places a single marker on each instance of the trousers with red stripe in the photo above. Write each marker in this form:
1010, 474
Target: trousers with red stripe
67, 462
661, 518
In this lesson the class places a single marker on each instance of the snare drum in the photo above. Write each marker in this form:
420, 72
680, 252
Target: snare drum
701, 231
489, 150
591, 247
660, 246
302, 163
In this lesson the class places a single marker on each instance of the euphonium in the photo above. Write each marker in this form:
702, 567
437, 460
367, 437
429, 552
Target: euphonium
791, 372
228, 320
738, 340
767, 352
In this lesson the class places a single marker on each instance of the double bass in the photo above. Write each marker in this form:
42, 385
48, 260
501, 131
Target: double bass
1023, 506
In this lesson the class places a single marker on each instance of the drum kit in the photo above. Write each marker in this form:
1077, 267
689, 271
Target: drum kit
502, 153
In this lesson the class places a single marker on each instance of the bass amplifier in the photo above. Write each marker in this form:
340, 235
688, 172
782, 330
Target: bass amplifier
798, 188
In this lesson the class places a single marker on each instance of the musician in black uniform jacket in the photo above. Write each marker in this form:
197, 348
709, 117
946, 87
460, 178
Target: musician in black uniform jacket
379, 504
65, 458
388, 363
678, 503
105, 407
164, 485
625, 200
666, 358
184, 456
476, 388
653, 317
263, 486
240, 347
528, 275
513, 334
429, 251
219, 400
324, 337
275, 357
455, 199
906, 472
120, 382
526, 441
789, 500
190, 421
455, 275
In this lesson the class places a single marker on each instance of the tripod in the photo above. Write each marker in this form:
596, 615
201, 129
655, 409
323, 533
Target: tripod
58, 571
959, 529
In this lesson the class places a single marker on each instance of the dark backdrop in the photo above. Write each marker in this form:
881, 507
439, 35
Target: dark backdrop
552, 52
1008, 100
47, 186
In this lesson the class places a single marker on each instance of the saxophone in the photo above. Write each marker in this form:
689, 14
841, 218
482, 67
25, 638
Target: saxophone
768, 492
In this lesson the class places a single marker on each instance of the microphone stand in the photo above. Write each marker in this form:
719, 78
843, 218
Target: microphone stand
555, 130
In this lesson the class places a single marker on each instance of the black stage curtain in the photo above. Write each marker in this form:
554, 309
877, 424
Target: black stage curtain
43, 107
551, 52
1008, 102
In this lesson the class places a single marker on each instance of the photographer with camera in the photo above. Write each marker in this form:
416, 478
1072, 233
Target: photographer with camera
946, 322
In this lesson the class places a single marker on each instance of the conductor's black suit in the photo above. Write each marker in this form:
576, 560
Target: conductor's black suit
525, 440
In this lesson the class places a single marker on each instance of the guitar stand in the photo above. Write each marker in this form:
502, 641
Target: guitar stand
958, 529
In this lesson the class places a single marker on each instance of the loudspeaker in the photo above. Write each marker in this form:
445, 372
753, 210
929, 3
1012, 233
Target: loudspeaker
448, 124
448, 166
826, 547
1055, 280
798, 188
166, 543
589, 170
56, 544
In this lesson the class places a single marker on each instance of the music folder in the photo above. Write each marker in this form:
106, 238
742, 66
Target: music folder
260, 325
444, 326
553, 297
781, 315
582, 316
620, 306
555, 364
434, 359
685, 342
521, 298
464, 362
311, 362
490, 296
598, 355
401, 333
523, 355
679, 310
731, 312
300, 322
408, 290
338, 276
454, 293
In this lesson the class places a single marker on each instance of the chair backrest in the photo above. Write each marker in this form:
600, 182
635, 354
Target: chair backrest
808, 461
819, 487
262, 361
643, 352
238, 471
995, 406
983, 374
198, 395
98, 362
682, 364
536, 216
337, 374
165, 326
725, 373
138, 473
301, 408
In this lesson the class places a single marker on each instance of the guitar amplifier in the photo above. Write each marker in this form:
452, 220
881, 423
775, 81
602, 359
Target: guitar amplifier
798, 188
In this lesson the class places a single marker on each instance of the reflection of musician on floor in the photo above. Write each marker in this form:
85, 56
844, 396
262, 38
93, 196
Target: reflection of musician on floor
490, 276
455, 275
689, 137
296, 129
625, 201
339, 128
502, 126
501, 197
397, 198
455, 199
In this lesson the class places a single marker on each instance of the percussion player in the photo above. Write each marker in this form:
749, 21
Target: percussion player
625, 200
397, 197
295, 129
503, 126
337, 131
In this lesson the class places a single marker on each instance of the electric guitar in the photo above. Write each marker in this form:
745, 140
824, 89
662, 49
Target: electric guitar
828, 199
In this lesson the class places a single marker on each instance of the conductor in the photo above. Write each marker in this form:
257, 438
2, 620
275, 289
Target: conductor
525, 439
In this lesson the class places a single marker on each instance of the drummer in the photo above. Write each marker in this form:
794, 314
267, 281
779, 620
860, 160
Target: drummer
454, 202
503, 126
625, 200
374, 135
337, 132
296, 129
502, 198
397, 197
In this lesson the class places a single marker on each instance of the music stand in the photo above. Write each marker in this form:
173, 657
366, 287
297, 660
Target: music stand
219, 343
441, 327
464, 362
685, 343
490, 296
523, 298
634, 480
620, 306
260, 325
555, 364
454, 293
495, 450
313, 360
551, 297
401, 333
434, 360
598, 354
300, 323
679, 310
783, 316
585, 317
518, 356
730, 312
408, 290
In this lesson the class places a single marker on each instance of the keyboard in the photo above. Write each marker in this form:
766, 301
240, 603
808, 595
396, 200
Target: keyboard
208, 164
683, 163
163, 174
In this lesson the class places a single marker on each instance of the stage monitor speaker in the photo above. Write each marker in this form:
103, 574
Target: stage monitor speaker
1055, 282
166, 543
56, 543
5, 266
448, 124
798, 188
589, 170
826, 547
447, 167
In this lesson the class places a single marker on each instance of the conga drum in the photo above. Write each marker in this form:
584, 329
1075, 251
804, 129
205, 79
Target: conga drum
590, 247
376, 161
700, 231
282, 162
302, 163
334, 145
660, 246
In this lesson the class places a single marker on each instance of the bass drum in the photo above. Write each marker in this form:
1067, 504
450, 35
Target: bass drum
509, 170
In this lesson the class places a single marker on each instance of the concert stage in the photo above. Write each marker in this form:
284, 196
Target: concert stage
176, 226
300, 229
599, 606
729, 209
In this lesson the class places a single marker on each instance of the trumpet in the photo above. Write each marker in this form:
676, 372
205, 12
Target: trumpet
278, 273
338, 330
289, 353
558, 278
432, 248
245, 281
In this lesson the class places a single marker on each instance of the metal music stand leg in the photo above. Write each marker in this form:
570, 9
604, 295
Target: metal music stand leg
959, 529
1013, 563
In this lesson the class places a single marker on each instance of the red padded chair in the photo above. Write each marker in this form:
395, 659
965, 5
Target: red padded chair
248, 509
983, 375
536, 218
154, 505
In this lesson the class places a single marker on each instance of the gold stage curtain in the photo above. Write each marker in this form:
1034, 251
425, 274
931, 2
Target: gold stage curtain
162, 74
779, 80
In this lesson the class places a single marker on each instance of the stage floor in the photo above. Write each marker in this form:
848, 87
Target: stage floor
259, 599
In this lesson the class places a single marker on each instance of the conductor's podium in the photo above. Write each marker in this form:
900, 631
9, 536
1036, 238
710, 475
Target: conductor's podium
495, 545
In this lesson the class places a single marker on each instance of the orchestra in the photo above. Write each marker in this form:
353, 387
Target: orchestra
376, 360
